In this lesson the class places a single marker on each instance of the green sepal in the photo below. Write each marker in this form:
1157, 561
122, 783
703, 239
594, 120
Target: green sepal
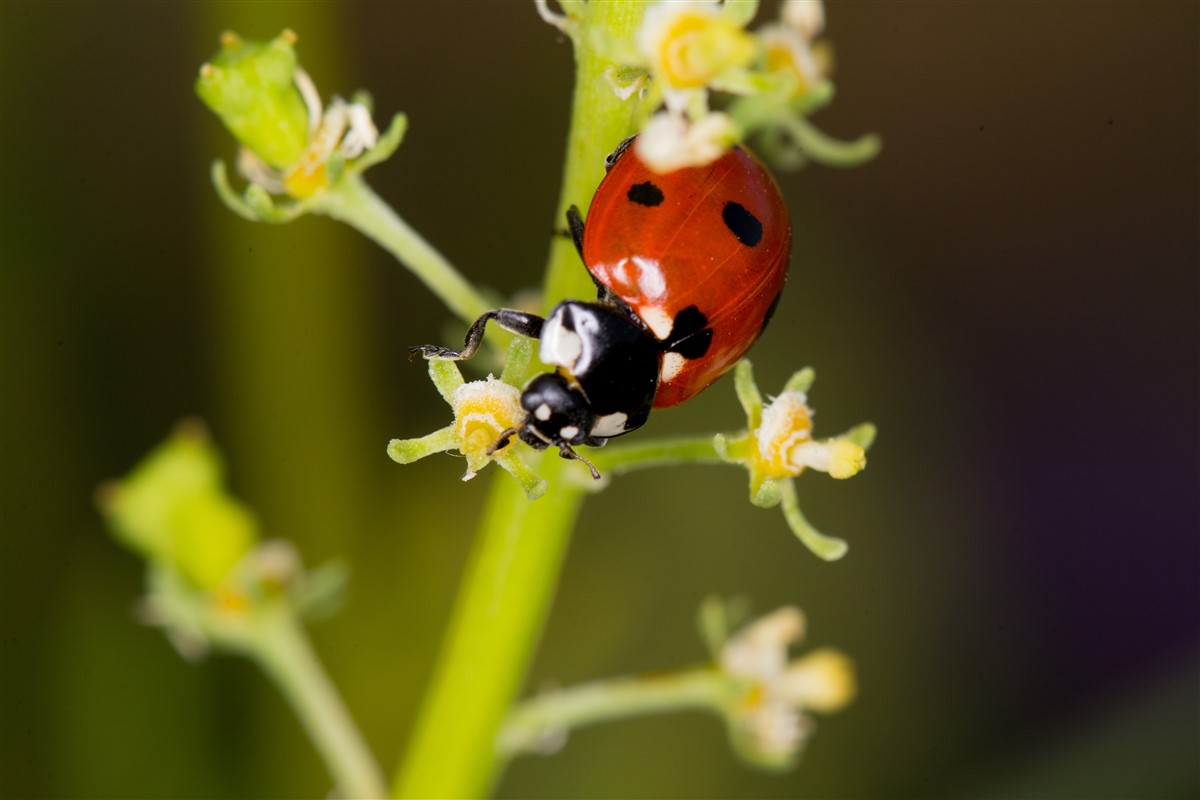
764, 492
862, 435
384, 147
827, 547
320, 592
512, 463
748, 394
801, 381
255, 203
406, 451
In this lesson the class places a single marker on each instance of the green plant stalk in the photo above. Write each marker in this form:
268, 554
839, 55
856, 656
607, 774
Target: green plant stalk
505, 597
283, 651
599, 121
352, 201
702, 688
510, 581
618, 459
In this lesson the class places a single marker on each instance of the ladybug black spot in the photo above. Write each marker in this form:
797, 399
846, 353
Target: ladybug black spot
744, 225
689, 337
645, 194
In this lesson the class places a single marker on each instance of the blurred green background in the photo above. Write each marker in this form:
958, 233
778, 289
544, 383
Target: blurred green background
1009, 292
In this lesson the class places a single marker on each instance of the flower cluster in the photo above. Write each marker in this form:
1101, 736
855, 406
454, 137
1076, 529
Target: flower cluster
291, 144
708, 82
211, 578
778, 445
769, 694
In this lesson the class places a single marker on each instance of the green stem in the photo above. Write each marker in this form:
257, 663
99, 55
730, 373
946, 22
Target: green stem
352, 201
599, 121
283, 650
617, 459
510, 581
600, 701
498, 618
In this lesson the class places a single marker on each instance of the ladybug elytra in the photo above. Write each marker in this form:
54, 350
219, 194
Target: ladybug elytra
689, 267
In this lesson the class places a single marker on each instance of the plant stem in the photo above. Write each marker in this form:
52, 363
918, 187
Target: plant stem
503, 603
352, 201
617, 459
283, 650
600, 701
599, 122
509, 584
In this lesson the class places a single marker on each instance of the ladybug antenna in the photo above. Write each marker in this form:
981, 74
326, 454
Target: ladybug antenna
565, 451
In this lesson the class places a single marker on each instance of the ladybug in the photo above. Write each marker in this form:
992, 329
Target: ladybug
689, 267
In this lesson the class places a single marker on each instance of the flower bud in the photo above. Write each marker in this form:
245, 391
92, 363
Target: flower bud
173, 509
251, 87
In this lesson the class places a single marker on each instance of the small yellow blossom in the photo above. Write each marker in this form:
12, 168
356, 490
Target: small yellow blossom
767, 715
483, 411
689, 44
778, 446
786, 447
487, 413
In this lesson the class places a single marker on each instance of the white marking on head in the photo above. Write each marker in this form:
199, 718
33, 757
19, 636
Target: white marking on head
558, 345
610, 424
542, 412
568, 432
659, 321
672, 364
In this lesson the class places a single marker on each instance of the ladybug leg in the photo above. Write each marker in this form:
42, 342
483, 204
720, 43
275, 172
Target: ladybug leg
575, 224
517, 322
502, 440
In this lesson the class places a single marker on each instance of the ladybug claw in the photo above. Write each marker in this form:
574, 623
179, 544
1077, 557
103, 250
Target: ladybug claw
432, 351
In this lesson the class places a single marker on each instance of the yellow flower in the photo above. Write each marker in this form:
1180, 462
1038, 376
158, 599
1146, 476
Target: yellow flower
791, 48
483, 410
786, 447
485, 413
767, 715
778, 446
689, 44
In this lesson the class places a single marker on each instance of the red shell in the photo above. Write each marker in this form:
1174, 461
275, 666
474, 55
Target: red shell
685, 250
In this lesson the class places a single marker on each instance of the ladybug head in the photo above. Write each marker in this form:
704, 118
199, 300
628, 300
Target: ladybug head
558, 415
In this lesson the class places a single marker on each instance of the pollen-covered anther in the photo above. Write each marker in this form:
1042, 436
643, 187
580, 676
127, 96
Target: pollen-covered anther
786, 428
483, 410
786, 447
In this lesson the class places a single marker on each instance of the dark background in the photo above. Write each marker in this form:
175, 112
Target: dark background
1009, 292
